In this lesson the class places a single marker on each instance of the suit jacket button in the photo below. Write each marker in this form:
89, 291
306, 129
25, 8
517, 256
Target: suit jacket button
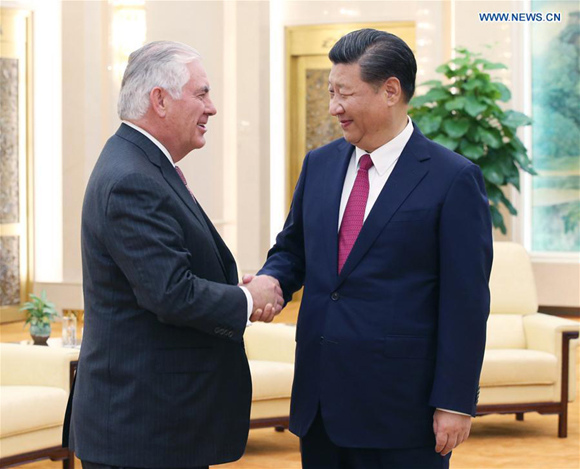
335, 296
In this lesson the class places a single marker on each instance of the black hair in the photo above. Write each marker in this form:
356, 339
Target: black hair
381, 55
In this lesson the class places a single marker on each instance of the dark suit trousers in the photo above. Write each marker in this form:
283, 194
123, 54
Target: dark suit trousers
319, 452
92, 465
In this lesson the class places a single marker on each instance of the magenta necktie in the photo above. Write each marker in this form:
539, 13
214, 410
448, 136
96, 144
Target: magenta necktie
182, 177
352, 220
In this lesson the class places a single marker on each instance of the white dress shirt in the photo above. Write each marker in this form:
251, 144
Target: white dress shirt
249, 298
384, 159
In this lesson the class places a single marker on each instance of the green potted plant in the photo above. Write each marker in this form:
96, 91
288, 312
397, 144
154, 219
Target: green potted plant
39, 314
465, 116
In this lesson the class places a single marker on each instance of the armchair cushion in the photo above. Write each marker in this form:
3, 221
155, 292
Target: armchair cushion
271, 380
512, 286
505, 331
30, 408
36, 366
271, 342
34, 388
509, 367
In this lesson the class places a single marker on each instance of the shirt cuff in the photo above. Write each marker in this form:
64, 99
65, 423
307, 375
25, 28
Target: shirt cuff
250, 301
453, 412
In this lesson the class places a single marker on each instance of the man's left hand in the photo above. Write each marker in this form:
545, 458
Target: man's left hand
450, 430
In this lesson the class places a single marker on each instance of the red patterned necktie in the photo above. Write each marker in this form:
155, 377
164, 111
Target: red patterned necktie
182, 177
352, 220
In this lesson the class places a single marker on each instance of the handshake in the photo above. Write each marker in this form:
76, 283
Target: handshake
267, 296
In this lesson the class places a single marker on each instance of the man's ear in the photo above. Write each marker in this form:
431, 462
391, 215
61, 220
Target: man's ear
392, 91
158, 100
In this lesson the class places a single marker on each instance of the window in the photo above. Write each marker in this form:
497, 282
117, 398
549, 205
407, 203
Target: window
556, 128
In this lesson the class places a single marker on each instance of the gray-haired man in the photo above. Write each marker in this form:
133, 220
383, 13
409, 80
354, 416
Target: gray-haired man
163, 379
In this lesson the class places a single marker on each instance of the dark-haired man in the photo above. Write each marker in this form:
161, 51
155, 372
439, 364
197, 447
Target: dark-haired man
390, 235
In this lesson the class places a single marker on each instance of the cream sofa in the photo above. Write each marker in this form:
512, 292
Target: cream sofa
270, 349
529, 362
34, 388
35, 381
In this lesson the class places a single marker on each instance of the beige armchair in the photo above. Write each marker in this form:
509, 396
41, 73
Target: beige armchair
529, 363
34, 388
270, 349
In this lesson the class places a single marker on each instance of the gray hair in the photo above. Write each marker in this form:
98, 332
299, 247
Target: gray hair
159, 63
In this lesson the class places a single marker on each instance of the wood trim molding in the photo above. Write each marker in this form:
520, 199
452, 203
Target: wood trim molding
572, 311
56, 453
280, 423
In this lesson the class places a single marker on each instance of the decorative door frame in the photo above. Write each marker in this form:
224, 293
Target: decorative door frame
16, 229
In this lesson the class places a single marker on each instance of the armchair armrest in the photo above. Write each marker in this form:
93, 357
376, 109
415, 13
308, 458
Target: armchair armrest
557, 336
270, 342
33, 365
544, 332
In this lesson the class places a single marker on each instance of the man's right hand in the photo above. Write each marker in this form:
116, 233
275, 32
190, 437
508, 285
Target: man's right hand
267, 296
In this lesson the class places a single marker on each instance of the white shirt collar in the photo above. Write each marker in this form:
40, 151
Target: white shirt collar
384, 157
152, 138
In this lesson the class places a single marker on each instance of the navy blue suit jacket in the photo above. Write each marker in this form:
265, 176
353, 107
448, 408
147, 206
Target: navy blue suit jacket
163, 379
401, 330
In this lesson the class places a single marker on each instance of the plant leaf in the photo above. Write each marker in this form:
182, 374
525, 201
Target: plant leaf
435, 94
493, 192
493, 173
430, 124
508, 204
419, 101
455, 104
456, 128
460, 61
497, 219
505, 93
446, 141
515, 119
431, 83
471, 84
471, 151
493, 66
473, 106
489, 137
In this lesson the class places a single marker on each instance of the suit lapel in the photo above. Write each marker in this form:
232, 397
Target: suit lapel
156, 156
410, 169
335, 173
225, 255
177, 185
